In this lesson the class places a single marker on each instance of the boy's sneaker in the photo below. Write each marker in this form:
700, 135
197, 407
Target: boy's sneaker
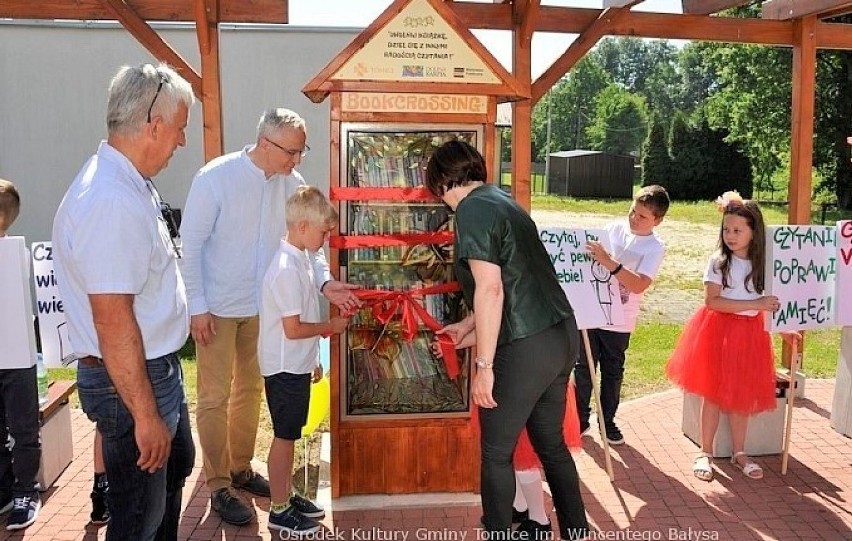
24, 511
530, 530
230, 507
306, 507
613, 435
292, 522
251, 481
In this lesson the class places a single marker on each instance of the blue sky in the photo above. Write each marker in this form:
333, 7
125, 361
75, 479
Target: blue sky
546, 47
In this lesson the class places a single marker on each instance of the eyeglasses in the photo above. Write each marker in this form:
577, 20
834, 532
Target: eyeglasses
163, 80
292, 153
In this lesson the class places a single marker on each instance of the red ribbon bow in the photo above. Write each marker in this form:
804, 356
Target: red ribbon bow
386, 304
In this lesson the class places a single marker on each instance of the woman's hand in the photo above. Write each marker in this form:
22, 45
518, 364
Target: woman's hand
464, 342
481, 388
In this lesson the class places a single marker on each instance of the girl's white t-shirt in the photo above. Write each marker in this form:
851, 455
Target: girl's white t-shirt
736, 289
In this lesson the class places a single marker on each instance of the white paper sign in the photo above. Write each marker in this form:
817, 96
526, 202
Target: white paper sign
801, 269
50, 312
590, 288
844, 273
17, 337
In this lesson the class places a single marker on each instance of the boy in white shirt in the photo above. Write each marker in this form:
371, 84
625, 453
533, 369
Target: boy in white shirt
288, 351
636, 256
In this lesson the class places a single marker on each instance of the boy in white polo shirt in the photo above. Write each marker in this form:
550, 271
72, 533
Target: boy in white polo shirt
290, 327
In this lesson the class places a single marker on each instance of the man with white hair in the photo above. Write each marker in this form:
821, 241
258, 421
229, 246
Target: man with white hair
232, 226
125, 301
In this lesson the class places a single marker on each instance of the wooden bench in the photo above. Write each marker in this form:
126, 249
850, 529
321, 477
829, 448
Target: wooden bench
57, 446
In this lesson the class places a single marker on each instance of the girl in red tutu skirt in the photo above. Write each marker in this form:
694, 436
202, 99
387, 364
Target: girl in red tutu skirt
724, 355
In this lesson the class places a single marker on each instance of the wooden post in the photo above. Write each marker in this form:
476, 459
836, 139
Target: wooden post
522, 110
207, 30
596, 392
801, 143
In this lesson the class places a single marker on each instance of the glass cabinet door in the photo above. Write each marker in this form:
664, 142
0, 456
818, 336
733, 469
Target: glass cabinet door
407, 247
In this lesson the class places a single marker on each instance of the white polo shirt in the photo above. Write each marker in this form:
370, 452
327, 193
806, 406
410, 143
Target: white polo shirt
289, 289
109, 237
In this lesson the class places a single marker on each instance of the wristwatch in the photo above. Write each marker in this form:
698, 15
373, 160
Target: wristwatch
481, 363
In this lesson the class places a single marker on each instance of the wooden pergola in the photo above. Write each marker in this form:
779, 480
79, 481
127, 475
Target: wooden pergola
799, 24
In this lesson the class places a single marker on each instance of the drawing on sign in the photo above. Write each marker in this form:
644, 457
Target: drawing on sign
601, 278
590, 288
801, 269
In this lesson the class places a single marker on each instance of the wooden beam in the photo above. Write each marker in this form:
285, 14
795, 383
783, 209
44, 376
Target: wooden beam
521, 117
577, 50
801, 144
529, 20
706, 7
232, 11
207, 31
794, 9
620, 3
152, 41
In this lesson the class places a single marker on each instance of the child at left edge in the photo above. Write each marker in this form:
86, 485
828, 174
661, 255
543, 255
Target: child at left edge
288, 350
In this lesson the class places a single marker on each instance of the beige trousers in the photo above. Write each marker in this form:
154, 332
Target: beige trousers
229, 392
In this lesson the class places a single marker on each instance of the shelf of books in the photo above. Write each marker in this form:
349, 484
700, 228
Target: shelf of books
396, 242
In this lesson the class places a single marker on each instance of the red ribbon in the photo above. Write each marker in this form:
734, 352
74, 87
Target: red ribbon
386, 304
343, 193
347, 242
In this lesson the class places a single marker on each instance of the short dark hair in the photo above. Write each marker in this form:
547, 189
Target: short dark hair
10, 204
455, 163
654, 197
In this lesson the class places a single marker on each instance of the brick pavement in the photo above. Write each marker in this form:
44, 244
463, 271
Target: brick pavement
654, 495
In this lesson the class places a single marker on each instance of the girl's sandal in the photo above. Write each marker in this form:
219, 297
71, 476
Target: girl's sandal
750, 469
702, 467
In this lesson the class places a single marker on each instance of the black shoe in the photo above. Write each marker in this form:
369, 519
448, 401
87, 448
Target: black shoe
306, 507
530, 530
517, 516
230, 507
251, 481
613, 435
292, 522
25, 510
100, 511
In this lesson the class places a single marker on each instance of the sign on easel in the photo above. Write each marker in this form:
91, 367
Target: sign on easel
801, 268
844, 273
16, 312
591, 289
50, 312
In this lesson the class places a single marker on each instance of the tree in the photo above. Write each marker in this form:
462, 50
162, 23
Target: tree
572, 105
620, 123
656, 162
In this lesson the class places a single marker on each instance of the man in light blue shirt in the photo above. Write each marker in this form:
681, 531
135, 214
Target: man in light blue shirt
232, 225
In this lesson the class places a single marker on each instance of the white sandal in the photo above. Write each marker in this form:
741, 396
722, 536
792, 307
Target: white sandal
702, 466
750, 469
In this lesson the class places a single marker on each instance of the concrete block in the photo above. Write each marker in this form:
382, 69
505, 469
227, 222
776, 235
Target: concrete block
765, 435
57, 447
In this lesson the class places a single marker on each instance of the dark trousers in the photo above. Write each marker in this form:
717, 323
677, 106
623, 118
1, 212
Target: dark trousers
608, 349
19, 419
530, 382
143, 506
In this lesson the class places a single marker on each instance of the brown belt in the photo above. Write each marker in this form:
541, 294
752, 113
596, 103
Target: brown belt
90, 362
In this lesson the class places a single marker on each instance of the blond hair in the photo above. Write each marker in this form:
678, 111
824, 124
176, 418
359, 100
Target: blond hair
10, 204
309, 204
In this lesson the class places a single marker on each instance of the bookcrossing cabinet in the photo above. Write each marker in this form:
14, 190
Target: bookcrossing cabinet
401, 415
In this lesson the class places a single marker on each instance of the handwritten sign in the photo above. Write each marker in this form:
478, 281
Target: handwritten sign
590, 288
49, 309
844, 272
801, 269
16, 313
